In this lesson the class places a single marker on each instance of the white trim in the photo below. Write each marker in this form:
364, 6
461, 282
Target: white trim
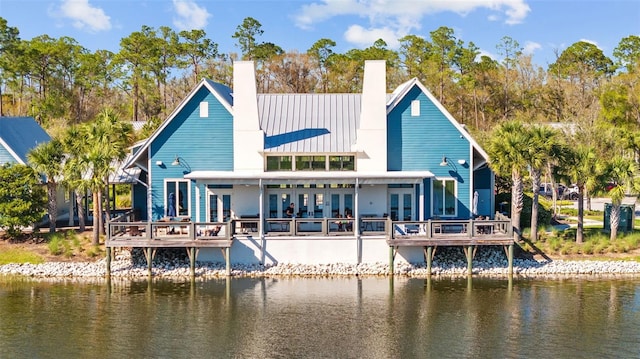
301, 177
177, 194
455, 194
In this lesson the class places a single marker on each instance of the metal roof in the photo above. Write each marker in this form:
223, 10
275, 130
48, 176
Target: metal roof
20, 135
309, 123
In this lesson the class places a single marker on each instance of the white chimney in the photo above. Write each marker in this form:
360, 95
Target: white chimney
372, 134
248, 139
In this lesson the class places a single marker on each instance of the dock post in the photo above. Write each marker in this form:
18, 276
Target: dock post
391, 259
429, 259
108, 261
192, 261
510, 259
470, 260
228, 259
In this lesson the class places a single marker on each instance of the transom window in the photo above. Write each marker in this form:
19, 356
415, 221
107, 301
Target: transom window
310, 162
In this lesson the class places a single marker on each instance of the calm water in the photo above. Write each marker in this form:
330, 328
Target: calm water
321, 318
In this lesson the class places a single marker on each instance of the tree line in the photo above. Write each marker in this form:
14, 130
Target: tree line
594, 99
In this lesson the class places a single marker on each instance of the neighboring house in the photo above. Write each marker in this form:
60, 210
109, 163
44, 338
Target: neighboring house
18, 135
225, 154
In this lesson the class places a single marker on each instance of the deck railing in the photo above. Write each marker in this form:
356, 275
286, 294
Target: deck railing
183, 229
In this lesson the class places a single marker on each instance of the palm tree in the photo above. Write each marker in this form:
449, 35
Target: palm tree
46, 159
75, 169
580, 168
507, 151
622, 172
540, 152
107, 139
93, 148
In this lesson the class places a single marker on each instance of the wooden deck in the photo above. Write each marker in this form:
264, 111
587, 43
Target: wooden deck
181, 233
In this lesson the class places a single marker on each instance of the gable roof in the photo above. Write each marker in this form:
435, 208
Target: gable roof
401, 91
221, 92
18, 135
310, 123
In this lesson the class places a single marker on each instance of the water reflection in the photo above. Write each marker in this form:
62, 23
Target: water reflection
313, 317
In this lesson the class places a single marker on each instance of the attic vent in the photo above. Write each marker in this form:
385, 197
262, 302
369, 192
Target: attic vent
204, 109
415, 108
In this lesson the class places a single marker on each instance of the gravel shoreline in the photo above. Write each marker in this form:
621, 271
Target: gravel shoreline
445, 263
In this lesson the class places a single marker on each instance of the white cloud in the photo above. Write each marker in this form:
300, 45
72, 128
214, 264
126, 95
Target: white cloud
84, 15
356, 34
401, 17
530, 47
189, 15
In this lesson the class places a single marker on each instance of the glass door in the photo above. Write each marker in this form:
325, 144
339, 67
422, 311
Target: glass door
277, 203
401, 205
311, 204
219, 207
341, 204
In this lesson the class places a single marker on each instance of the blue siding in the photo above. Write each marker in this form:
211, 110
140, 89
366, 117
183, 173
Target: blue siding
419, 143
203, 144
5, 156
482, 178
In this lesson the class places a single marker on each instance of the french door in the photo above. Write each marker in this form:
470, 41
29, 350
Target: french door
401, 205
218, 206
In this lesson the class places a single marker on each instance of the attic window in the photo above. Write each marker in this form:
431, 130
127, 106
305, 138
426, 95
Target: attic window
415, 108
204, 109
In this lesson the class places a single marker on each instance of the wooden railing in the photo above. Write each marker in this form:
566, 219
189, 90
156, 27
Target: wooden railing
183, 229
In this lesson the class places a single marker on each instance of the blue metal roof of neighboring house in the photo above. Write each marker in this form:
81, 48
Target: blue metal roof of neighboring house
20, 135
309, 122
223, 90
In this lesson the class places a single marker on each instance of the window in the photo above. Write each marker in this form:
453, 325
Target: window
444, 197
204, 109
311, 163
415, 108
279, 163
177, 198
342, 163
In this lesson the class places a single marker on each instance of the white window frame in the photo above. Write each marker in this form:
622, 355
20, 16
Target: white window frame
187, 195
443, 180
415, 108
204, 109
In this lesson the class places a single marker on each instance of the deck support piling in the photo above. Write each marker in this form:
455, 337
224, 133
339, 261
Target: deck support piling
510, 259
470, 260
391, 258
109, 249
227, 258
149, 254
192, 260
429, 259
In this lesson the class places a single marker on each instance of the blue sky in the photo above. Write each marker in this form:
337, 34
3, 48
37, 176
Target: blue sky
541, 27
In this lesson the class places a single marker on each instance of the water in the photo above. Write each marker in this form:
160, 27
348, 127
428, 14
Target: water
320, 318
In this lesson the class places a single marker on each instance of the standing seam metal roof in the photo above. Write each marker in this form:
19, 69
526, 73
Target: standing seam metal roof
22, 134
310, 123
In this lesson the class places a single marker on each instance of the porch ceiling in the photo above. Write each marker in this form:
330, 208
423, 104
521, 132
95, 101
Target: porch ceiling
310, 177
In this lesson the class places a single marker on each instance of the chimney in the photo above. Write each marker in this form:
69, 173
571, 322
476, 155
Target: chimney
371, 142
248, 138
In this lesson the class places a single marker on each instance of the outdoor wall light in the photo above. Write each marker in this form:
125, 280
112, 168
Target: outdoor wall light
444, 162
176, 162
462, 162
159, 163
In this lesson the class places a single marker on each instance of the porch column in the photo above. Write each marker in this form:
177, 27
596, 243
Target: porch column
421, 201
356, 224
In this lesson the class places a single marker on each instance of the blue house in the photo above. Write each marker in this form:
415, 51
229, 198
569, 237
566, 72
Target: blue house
233, 154
18, 135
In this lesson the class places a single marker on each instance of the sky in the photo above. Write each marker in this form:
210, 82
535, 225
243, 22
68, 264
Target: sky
543, 28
